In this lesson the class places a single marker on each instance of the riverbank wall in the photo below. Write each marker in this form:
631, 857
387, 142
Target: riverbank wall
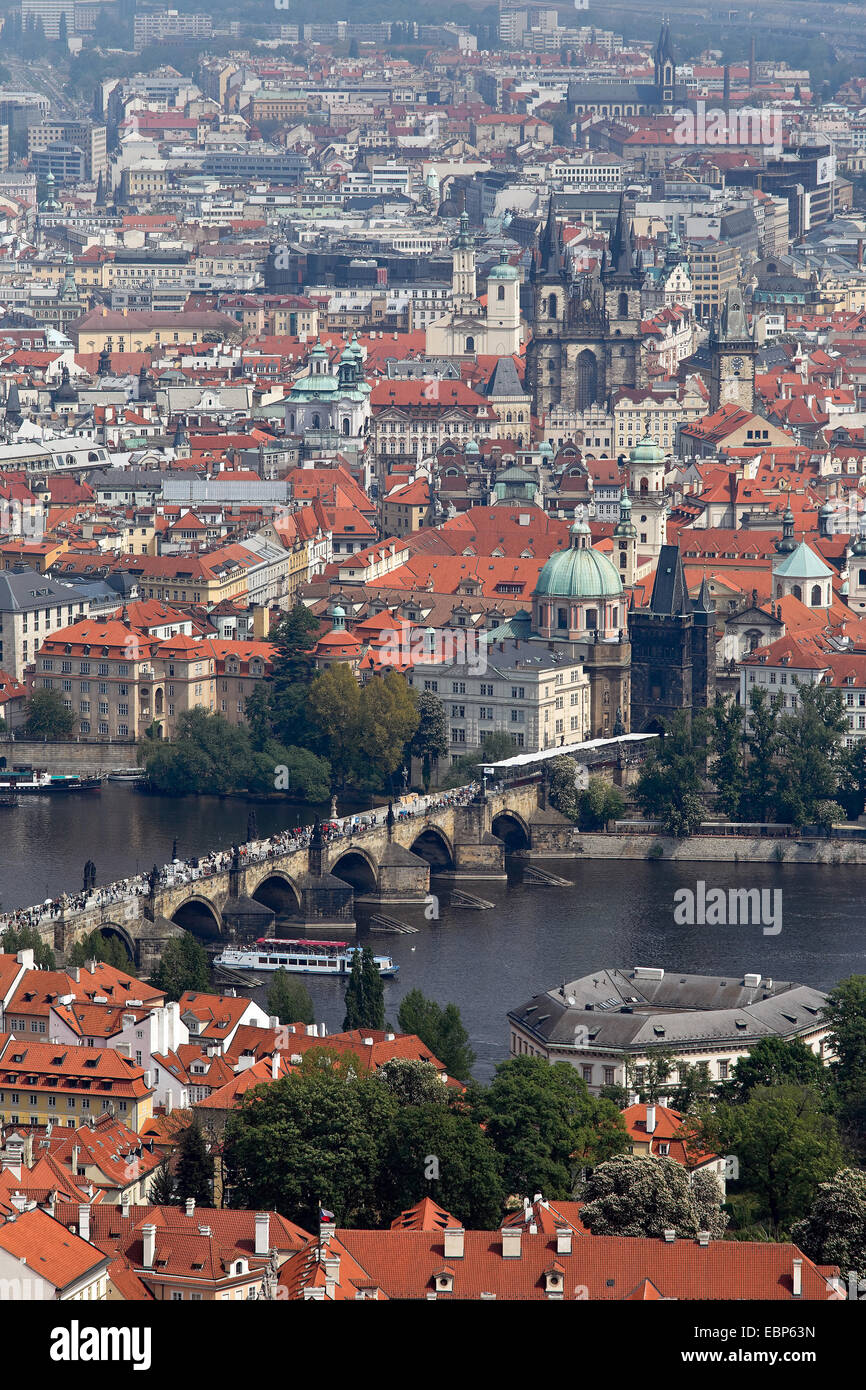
729, 849
62, 756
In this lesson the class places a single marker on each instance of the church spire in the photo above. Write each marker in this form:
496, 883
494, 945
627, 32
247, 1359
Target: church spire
550, 250
621, 248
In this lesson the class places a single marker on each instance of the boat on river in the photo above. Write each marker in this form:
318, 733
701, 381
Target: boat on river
38, 782
298, 957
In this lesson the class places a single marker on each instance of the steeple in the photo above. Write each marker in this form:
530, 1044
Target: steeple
621, 248
787, 544
732, 326
549, 248
625, 526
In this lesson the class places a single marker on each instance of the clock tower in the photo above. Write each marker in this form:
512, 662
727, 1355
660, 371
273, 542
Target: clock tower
733, 353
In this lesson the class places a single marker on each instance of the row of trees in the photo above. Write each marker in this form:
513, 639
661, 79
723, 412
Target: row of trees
764, 762
367, 1147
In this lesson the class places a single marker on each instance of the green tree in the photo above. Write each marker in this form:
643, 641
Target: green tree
388, 717
632, 1195
47, 716
183, 966
657, 1072
296, 772
834, 1231
845, 1016
670, 784
809, 753
294, 638
15, 939
561, 787
727, 768
413, 1082
545, 1125
433, 1150
430, 740
194, 1167
598, 803
95, 946
161, 1192
334, 707
852, 779
289, 999
365, 993
761, 793
785, 1143
775, 1062
316, 1138
439, 1029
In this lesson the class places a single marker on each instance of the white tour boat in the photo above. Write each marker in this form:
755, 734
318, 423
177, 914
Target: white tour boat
299, 957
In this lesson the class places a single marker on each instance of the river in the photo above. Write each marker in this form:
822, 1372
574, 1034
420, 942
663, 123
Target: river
486, 962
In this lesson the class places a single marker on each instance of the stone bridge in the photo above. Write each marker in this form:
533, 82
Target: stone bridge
319, 886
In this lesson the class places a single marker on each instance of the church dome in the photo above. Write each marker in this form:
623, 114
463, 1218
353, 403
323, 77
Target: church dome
579, 572
503, 271
646, 451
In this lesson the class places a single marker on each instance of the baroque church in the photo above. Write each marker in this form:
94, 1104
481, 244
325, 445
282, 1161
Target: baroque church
586, 340
468, 326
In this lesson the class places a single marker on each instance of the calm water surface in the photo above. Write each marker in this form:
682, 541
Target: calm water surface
616, 913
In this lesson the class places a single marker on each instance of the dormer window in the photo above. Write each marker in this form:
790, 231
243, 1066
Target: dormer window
444, 1280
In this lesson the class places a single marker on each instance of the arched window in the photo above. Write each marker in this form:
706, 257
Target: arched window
816, 596
470, 344
347, 426
552, 307
622, 305
623, 559
644, 485
797, 592
592, 619
292, 423
862, 577
508, 417
316, 422
562, 619
500, 293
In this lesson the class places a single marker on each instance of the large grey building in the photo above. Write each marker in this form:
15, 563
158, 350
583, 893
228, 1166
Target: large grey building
31, 606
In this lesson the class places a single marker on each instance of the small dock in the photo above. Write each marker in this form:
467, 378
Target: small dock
380, 925
460, 898
543, 878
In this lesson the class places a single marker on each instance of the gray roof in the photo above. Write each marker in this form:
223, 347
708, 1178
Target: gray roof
623, 1010
504, 380
24, 589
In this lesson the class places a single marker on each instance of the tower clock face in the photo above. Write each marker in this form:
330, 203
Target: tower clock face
737, 364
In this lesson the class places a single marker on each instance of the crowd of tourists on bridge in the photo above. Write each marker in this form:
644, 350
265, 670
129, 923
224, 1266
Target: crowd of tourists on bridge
219, 861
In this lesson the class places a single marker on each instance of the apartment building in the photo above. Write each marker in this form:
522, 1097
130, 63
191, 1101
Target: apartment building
714, 269
541, 698
90, 138
42, 1082
31, 607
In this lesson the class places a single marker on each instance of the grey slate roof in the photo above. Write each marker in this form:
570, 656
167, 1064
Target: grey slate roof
623, 1012
26, 589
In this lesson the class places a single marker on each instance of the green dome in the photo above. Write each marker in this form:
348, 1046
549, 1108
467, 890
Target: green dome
503, 271
647, 451
579, 573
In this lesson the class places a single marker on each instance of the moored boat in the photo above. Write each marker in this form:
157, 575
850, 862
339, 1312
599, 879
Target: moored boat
299, 957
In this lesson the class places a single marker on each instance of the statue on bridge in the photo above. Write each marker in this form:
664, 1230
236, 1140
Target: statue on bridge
89, 876
252, 827
153, 879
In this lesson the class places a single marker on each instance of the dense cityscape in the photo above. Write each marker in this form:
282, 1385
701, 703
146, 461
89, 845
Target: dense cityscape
433, 662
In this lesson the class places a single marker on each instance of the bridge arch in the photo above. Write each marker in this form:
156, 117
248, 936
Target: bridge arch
510, 827
434, 846
199, 916
279, 892
358, 868
111, 930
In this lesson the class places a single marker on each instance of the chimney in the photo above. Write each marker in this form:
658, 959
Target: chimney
204, 1231
148, 1236
326, 1230
650, 1119
275, 1066
331, 1265
169, 1101
84, 1222
263, 1232
511, 1242
454, 1236
703, 1238
75, 1152
190, 1206
19, 1201
75, 972
670, 1237
563, 1240
124, 1207
797, 1276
